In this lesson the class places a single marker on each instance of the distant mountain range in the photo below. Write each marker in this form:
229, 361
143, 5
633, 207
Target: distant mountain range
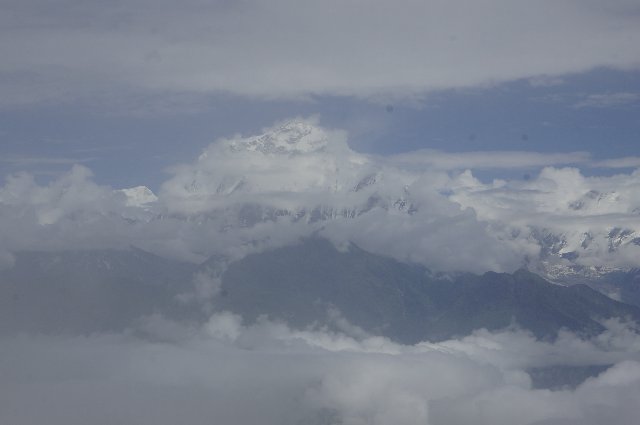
312, 282
561, 225
81, 292
309, 283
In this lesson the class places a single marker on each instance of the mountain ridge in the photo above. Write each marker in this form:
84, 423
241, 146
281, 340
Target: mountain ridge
311, 283
316, 277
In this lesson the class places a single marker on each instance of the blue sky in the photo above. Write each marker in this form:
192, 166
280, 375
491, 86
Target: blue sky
129, 91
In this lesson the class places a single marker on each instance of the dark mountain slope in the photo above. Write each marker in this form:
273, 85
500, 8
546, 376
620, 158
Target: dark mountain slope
87, 291
303, 283
107, 290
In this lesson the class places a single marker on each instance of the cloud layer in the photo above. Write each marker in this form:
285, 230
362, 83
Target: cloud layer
268, 373
249, 193
290, 49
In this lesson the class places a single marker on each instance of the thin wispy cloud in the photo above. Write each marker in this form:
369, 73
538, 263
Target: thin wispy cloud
626, 162
608, 100
29, 161
487, 160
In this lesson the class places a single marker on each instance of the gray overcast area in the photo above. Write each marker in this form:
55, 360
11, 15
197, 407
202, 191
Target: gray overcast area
335, 212
55, 51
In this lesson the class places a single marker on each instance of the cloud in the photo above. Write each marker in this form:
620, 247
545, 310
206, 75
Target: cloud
70, 194
608, 100
248, 193
26, 161
625, 162
423, 206
575, 214
297, 178
545, 81
269, 373
284, 48
72, 212
434, 159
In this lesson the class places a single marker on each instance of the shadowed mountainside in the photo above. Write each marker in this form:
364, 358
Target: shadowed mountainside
304, 284
88, 291
308, 282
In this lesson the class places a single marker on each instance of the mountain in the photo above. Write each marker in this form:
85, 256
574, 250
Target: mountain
138, 196
314, 283
558, 224
88, 291
297, 179
308, 283
621, 285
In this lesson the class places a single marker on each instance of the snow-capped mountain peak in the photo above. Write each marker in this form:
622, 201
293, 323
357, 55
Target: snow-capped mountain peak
138, 196
284, 168
294, 137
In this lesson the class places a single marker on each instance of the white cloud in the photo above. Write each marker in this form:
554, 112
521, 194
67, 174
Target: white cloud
288, 48
72, 193
607, 100
424, 206
434, 159
268, 373
624, 162
25, 161
245, 194
593, 216
242, 182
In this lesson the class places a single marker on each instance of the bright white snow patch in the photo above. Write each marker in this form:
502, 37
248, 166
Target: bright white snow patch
139, 196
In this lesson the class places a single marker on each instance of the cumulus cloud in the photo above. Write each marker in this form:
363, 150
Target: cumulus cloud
248, 193
588, 216
285, 48
294, 160
73, 193
232, 373
426, 206
298, 178
32, 215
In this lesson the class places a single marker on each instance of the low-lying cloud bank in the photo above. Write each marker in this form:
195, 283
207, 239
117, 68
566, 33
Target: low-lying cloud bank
229, 373
248, 193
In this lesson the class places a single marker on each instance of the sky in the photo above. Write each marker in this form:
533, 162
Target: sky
497, 116
131, 88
